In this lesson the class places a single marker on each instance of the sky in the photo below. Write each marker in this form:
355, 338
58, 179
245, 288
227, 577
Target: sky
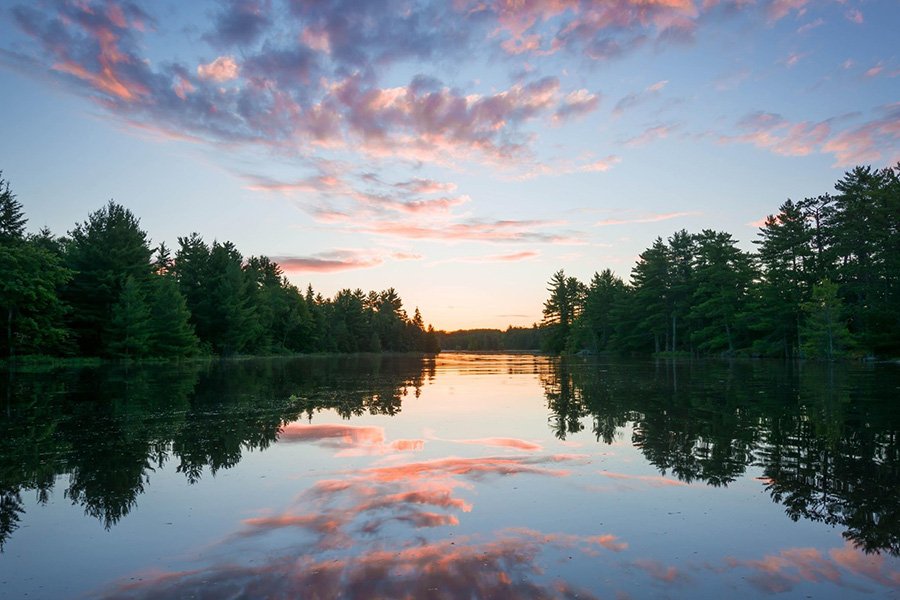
460, 151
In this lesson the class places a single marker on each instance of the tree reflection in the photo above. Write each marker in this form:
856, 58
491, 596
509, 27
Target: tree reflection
825, 436
102, 432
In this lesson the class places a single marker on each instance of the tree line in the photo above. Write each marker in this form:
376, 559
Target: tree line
825, 438
97, 432
104, 291
823, 282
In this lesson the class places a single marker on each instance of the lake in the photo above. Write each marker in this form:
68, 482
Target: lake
465, 476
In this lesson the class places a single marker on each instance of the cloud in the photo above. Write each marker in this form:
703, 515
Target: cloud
500, 442
652, 134
854, 16
240, 23
645, 219
489, 258
223, 68
576, 104
507, 230
773, 132
778, 9
508, 566
328, 262
350, 440
656, 570
875, 140
630, 101
807, 27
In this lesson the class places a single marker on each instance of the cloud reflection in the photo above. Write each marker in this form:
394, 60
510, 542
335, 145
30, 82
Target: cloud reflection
351, 440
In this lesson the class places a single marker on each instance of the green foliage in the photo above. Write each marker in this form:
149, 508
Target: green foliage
128, 332
12, 219
103, 252
701, 294
561, 309
171, 333
825, 333
722, 277
596, 324
30, 308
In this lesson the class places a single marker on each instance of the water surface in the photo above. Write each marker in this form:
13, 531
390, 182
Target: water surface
465, 476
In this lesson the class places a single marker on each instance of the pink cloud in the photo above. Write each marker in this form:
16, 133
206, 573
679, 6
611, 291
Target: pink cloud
651, 134
873, 141
793, 59
660, 572
487, 231
327, 262
778, 9
513, 443
773, 132
350, 440
223, 68
854, 16
576, 104
489, 258
646, 219
470, 467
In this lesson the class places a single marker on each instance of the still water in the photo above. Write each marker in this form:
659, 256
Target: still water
466, 476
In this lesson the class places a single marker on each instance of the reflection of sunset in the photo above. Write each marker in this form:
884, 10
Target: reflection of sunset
350, 440
499, 442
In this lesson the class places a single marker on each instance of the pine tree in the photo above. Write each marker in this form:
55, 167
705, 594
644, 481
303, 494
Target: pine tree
171, 333
561, 309
12, 219
651, 280
128, 332
103, 252
825, 333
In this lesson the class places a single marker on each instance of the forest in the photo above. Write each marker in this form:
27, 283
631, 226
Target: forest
824, 282
103, 291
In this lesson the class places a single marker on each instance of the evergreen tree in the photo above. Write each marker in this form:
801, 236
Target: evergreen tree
30, 278
128, 332
30, 308
788, 262
103, 253
227, 311
723, 276
12, 218
594, 328
682, 250
651, 280
171, 333
561, 310
825, 333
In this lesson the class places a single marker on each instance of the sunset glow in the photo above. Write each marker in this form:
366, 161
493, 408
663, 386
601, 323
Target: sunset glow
460, 152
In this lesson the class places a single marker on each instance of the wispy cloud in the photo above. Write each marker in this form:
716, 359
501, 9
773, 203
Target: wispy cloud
645, 219
634, 99
652, 134
854, 15
875, 140
490, 258
328, 262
